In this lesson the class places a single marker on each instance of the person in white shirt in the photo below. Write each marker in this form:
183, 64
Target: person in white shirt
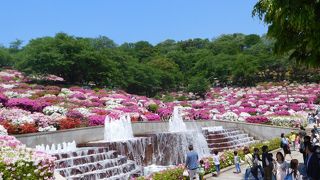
237, 162
216, 160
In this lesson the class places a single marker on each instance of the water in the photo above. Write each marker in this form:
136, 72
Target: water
176, 123
59, 148
118, 130
193, 136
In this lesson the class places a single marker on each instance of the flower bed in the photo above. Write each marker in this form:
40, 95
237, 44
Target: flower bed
19, 162
26, 108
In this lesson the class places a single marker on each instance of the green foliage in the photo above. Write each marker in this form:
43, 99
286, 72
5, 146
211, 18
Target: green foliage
23, 170
153, 107
294, 25
172, 174
5, 58
198, 85
168, 98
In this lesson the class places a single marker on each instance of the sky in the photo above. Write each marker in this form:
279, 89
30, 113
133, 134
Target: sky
127, 20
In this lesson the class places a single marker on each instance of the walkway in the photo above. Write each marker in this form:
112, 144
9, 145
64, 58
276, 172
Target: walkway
229, 175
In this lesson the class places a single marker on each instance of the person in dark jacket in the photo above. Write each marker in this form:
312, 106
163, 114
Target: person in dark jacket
312, 163
267, 163
256, 158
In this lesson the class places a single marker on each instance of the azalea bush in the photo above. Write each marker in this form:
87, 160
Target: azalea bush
19, 162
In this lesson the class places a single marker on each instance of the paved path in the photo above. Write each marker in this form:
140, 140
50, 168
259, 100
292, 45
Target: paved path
229, 175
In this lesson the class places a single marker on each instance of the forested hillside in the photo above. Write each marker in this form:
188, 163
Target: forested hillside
146, 69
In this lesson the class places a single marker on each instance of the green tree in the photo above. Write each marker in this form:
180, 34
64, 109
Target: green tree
198, 85
295, 26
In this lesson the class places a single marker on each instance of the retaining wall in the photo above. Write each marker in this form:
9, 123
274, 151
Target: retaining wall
83, 135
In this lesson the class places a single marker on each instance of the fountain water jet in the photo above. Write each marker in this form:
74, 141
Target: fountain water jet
177, 125
118, 130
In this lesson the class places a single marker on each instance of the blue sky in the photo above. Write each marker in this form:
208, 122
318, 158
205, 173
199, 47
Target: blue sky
127, 20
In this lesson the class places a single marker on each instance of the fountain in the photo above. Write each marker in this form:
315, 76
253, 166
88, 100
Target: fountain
115, 157
193, 136
59, 148
118, 130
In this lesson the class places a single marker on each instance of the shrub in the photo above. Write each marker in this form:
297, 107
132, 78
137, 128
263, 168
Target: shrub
153, 108
69, 123
257, 119
96, 120
27, 128
11, 129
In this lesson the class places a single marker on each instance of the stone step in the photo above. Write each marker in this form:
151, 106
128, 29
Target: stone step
80, 152
230, 143
231, 147
128, 168
221, 135
84, 168
229, 138
222, 131
73, 161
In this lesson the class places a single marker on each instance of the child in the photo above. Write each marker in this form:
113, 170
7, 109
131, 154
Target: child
201, 169
292, 140
297, 142
216, 160
237, 162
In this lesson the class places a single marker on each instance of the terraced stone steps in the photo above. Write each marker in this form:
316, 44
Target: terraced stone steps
95, 163
226, 139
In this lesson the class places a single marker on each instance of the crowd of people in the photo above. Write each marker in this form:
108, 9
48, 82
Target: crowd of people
278, 168
264, 166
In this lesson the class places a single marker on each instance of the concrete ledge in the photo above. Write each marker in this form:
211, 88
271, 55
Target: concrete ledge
86, 134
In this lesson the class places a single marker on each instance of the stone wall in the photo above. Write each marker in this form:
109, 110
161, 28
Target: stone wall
83, 135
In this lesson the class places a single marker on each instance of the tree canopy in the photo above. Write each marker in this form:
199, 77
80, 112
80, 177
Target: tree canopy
295, 27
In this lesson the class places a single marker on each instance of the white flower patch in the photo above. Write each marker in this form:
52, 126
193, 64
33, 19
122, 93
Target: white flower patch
22, 120
8, 86
54, 109
3, 131
230, 116
84, 111
65, 92
48, 128
12, 94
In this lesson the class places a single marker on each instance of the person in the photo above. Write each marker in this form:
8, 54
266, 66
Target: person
310, 118
237, 162
312, 163
293, 172
267, 163
216, 160
315, 128
192, 163
285, 145
302, 132
256, 164
292, 140
306, 140
201, 169
297, 142
248, 160
317, 118
314, 139
280, 167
